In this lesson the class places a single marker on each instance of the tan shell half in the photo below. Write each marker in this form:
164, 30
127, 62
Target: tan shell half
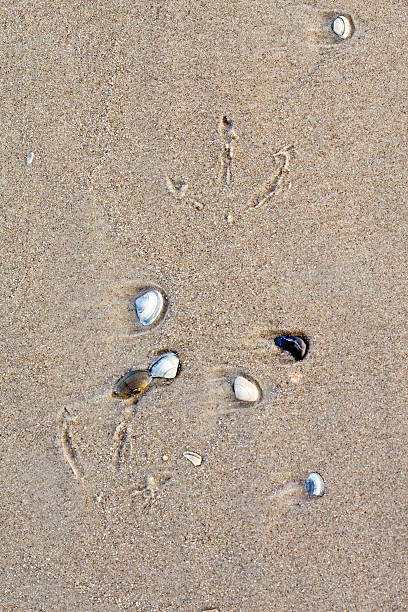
246, 390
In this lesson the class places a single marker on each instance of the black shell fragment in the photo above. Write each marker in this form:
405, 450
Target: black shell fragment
295, 345
132, 384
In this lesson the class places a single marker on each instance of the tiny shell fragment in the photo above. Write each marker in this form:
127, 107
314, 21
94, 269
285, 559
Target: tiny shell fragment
29, 158
195, 458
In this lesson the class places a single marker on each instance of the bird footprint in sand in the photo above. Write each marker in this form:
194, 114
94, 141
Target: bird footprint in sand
277, 182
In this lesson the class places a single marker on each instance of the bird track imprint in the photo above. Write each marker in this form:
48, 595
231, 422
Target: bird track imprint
275, 184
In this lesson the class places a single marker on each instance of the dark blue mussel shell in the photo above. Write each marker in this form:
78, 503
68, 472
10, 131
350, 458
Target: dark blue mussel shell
295, 345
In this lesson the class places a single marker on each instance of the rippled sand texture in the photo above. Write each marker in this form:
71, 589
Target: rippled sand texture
241, 159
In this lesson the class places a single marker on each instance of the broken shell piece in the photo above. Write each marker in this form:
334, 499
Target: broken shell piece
245, 390
132, 384
295, 345
29, 158
165, 365
342, 26
195, 458
149, 306
314, 484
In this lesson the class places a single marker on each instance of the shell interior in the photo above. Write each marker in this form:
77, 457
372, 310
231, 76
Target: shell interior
315, 484
132, 384
245, 390
149, 306
295, 345
165, 365
342, 26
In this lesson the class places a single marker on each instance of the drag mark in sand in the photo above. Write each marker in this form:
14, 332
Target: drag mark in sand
120, 437
227, 132
68, 449
278, 181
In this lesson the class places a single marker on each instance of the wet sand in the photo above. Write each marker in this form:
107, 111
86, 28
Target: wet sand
252, 166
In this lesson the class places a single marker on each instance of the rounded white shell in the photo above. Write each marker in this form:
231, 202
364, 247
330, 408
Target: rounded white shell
342, 26
164, 366
149, 306
314, 484
245, 390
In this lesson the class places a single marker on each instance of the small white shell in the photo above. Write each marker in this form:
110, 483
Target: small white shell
314, 484
165, 365
195, 458
29, 158
342, 26
149, 306
245, 390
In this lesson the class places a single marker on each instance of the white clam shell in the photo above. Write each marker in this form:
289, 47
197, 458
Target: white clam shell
314, 484
195, 458
245, 390
342, 26
164, 366
149, 306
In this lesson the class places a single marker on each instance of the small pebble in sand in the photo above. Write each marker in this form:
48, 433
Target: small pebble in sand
342, 26
132, 384
314, 484
195, 458
245, 390
295, 377
149, 306
295, 345
230, 218
166, 365
29, 158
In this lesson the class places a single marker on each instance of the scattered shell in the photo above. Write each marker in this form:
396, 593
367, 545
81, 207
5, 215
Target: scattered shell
132, 384
342, 26
165, 365
245, 390
314, 484
195, 458
149, 306
295, 345
29, 158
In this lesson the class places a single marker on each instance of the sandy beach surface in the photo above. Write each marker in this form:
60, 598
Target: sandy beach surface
252, 166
